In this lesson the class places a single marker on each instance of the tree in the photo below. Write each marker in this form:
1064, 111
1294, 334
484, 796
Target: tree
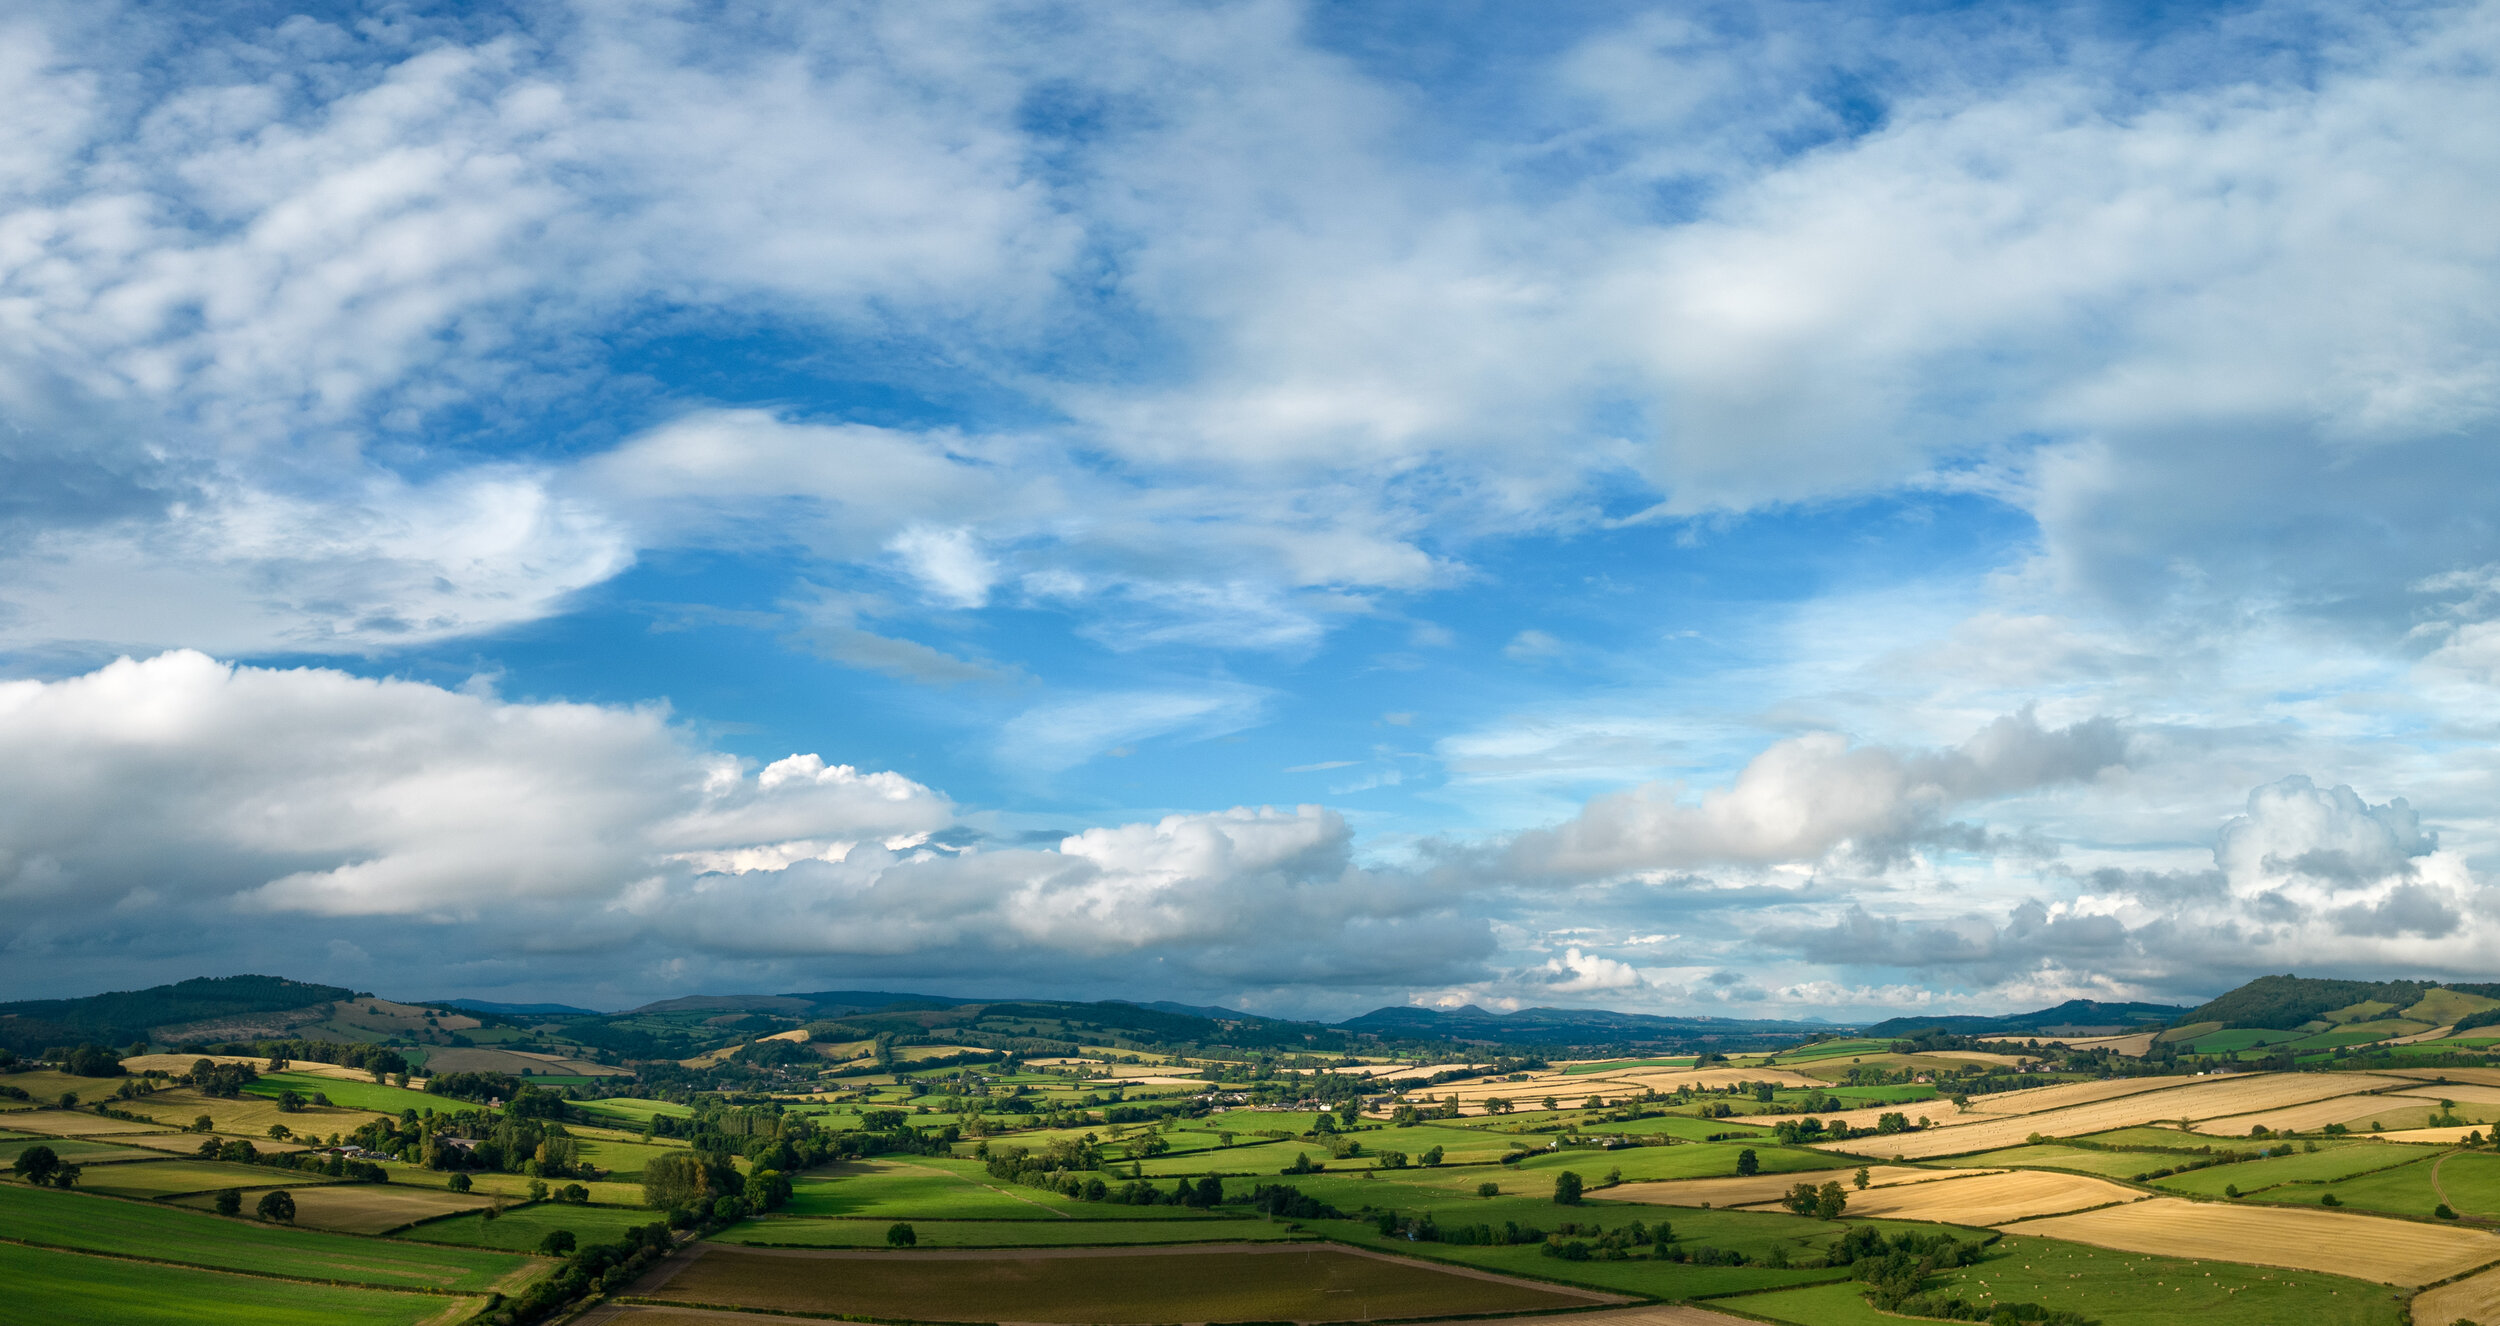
459, 1183
229, 1201
766, 1190
1747, 1163
899, 1235
728, 1209
1488, 1190
1567, 1188
277, 1207
1861, 1178
1801, 1198
1830, 1201
674, 1180
557, 1242
1430, 1157
36, 1164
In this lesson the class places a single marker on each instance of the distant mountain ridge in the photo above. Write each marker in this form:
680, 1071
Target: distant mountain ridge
1567, 1026
509, 1010
2075, 1017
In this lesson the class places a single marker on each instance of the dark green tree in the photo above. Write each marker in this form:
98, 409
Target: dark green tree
229, 1201
36, 1164
557, 1242
1567, 1189
1747, 1163
277, 1206
900, 1235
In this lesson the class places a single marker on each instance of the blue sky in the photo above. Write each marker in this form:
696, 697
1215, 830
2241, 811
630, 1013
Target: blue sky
1800, 510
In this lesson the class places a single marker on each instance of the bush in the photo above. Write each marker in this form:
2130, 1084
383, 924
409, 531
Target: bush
1488, 1189
900, 1235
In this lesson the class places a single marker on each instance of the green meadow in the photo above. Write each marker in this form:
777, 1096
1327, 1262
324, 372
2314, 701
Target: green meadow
48, 1288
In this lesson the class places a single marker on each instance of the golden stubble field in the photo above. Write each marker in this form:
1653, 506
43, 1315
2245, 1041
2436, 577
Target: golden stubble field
2395, 1252
1991, 1199
1770, 1187
2198, 1098
363, 1208
2474, 1298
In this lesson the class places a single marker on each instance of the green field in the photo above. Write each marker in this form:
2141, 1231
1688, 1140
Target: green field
2238, 1039
2168, 1139
631, 1111
521, 1228
624, 1159
2471, 1179
167, 1178
930, 1189
776, 1231
1620, 1065
2327, 1165
137, 1229
2115, 1288
346, 1093
46, 1288
76, 1151
1831, 1049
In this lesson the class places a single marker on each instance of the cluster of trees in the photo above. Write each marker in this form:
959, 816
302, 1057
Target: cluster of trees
212, 1078
381, 1061
1576, 1243
1823, 1203
1287, 1202
697, 1183
1896, 1272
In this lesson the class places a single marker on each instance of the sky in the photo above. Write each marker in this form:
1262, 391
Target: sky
1767, 510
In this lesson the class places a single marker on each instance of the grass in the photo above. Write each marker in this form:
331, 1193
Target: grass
775, 1231
632, 1111
925, 1188
2116, 1288
349, 1094
2106, 1164
247, 1115
2166, 1138
1831, 1049
167, 1178
2327, 1165
1620, 1065
624, 1160
521, 1229
47, 1287
162, 1233
2472, 1181
1305, 1284
74, 1150
2239, 1038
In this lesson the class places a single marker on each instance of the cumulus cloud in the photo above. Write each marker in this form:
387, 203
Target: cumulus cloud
201, 785
182, 805
1808, 796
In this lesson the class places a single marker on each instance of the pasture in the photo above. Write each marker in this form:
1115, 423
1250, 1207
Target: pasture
1239, 1283
47, 1287
135, 1229
2325, 1165
2115, 1288
347, 1092
171, 1178
76, 1151
630, 1111
2397, 1252
902, 1190
2470, 1182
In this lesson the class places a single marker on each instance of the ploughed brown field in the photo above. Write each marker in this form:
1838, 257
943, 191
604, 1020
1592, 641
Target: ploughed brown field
1242, 1283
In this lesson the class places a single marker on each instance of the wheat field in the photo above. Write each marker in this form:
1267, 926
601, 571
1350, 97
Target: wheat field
1991, 1199
2395, 1252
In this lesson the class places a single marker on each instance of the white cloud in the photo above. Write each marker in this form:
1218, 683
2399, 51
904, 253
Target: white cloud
210, 787
1065, 732
1807, 796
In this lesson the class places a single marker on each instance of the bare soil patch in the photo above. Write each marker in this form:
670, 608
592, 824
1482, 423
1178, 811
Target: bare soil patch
1242, 1282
